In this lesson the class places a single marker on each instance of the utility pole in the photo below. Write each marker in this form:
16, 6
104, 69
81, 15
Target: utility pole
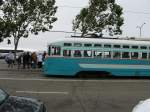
140, 28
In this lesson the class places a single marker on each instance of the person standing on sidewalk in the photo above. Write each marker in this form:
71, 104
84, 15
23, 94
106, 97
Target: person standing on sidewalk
10, 58
19, 60
33, 60
39, 59
26, 60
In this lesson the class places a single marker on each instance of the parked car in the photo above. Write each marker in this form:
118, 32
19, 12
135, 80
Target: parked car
19, 104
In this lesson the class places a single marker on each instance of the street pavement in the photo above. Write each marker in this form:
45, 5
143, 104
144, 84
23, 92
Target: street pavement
74, 94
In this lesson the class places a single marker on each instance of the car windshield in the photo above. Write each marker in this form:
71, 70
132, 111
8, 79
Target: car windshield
3, 96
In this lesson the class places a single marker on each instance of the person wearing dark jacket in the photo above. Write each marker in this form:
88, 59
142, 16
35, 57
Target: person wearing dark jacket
26, 60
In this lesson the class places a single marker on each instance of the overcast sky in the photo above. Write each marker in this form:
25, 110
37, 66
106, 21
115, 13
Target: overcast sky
136, 12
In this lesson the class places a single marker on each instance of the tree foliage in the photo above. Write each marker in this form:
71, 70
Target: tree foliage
1, 2
100, 15
19, 18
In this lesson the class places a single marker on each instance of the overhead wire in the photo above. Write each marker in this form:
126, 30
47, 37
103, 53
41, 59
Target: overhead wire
64, 31
79, 7
126, 11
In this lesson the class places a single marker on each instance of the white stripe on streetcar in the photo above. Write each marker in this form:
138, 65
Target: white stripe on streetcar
114, 66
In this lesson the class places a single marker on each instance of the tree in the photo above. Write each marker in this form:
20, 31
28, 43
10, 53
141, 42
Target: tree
24, 17
81, 22
1, 24
1, 2
100, 15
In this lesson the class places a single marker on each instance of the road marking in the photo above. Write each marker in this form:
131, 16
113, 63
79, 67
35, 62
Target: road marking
42, 92
75, 80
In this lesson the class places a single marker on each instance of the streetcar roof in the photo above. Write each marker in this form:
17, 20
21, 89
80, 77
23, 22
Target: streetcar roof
138, 41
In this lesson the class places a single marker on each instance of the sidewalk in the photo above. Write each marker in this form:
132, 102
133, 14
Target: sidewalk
4, 67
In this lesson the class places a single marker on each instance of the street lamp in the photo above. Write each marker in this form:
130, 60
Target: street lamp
140, 28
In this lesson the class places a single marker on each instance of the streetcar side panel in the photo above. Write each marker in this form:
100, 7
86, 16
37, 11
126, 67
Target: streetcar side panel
72, 66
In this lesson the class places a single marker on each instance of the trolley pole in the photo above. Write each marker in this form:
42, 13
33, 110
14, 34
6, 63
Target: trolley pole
140, 28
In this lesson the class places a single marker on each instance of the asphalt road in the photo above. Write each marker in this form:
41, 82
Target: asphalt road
73, 94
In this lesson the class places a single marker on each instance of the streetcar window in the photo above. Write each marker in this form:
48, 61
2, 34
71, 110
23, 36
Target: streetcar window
126, 46
149, 56
87, 45
67, 44
135, 47
77, 53
134, 55
55, 50
67, 53
117, 46
97, 45
107, 46
117, 55
144, 55
143, 47
77, 44
107, 54
98, 54
87, 53
125, 55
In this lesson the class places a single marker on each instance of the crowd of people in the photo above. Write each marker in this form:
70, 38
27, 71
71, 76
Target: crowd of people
25, 60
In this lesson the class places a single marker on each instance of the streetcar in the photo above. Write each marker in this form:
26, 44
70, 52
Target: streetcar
113, 56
